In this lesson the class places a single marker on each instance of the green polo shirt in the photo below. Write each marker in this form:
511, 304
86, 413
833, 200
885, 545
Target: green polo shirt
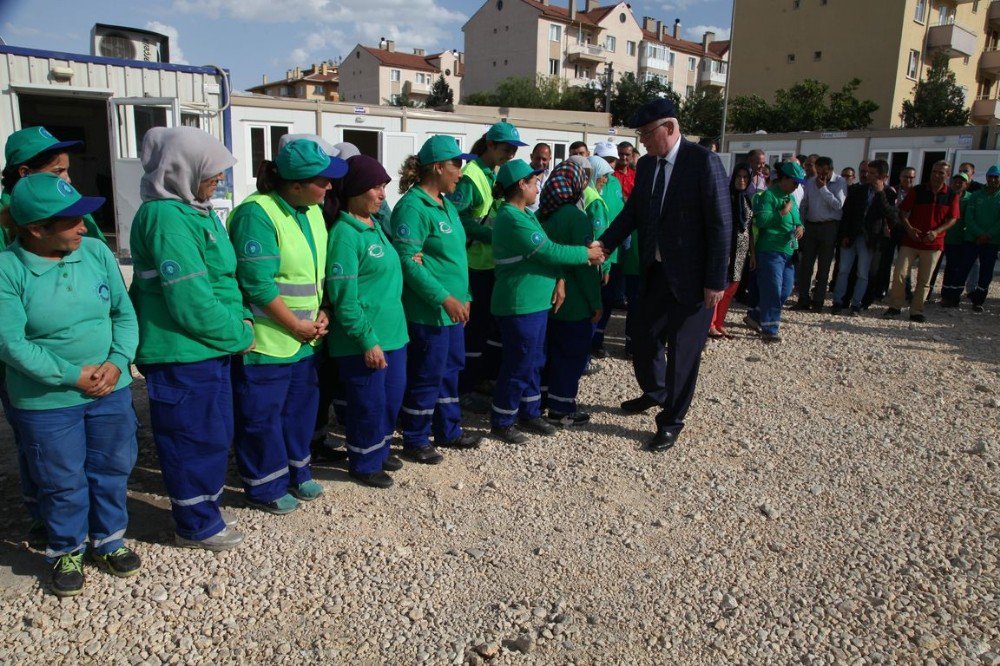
527, 263
982, 215
184, 286
468, 200
59, 316
364, 284
258, 259
615, 199
421, 223
597, 211
570, 226
93, 231
774, 230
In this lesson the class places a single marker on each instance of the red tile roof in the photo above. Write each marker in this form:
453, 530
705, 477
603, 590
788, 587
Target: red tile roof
420, 63
557, 13
687, 46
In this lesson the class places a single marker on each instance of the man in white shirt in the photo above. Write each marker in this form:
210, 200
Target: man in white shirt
820, 210
541, 158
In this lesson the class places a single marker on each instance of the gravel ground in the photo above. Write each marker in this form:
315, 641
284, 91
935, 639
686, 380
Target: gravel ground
834, 499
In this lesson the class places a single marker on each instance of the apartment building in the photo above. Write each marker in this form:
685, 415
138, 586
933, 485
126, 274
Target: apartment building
321, 81
888, 44
380, 74
577, 43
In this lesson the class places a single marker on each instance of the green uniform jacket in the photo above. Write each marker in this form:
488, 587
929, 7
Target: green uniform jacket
93, 231
420, 223
956, 234
527, 263
258, 260
59, 316
469, 201
613, 197
570, 226
775, 231
982, 215
184, 287
364, 283
597, 210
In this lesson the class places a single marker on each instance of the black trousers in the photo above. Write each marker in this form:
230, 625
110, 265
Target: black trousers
666, 349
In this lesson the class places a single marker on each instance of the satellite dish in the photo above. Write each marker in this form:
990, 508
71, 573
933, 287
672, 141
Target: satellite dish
117, 45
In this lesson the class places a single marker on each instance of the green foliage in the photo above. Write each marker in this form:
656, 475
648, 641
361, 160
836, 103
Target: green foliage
701, 113
630, 93
542, 92
937, 100
806, 106
403, 99
441, 94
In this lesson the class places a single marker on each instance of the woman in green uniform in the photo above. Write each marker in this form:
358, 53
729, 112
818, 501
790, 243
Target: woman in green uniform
528, 284
280, 240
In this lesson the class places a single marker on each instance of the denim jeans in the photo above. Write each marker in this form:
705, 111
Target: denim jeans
775, 280
864, 256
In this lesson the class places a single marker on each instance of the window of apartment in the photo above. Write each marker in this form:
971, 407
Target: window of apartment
975, 6
630, 48
965, 95
946, 15
263, 145
791, 58
555, 33
817, 55
692, 64
317, 90
394, 98
912, 64
920, 12
796, 4
394, 75
285, 91
610, 43
720, 67
553, 66
671, 59
689, 91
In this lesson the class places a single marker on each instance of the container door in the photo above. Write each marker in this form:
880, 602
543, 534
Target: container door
129, 118
396, 147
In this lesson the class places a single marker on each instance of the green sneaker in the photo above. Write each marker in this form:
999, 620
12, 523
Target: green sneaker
67, 575
307, 491
121, 562
279, 507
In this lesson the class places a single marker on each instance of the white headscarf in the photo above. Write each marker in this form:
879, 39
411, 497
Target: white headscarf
598, 167
176, 160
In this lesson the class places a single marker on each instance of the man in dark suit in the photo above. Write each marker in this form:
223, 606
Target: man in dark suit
681, 209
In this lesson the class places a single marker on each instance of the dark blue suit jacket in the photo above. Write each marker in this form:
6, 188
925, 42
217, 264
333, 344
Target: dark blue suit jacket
694, 229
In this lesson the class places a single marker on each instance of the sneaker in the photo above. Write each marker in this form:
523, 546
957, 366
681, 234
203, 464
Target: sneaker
600, 352
121, 562
464, 441
892, 312
509, 434
392, 464
373, 479
836, 309
306, 491
751, 323
67, 575
978, 308
224, 540
592, 368
425, 455
229, 518
475, 403
539, 426
855, 310
770, 337
919, 318
279, 507
565, 420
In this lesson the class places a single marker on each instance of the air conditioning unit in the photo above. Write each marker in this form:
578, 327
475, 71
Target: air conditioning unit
113, 41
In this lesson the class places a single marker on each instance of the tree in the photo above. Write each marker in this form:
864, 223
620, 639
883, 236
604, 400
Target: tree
937, 100
800, 108
441, 94
701, 113
630, 93
403, 98
847, 112
807, 106
542, 92
749, 114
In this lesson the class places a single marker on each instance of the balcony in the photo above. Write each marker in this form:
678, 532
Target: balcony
989, 63
985, 111
952, 40
993, 14
652, 62
586, 53
709, 78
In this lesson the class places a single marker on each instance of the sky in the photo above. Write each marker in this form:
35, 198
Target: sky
256, 37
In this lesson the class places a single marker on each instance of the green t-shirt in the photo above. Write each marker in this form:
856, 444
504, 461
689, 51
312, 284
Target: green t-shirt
774, 230
527, 263
364, 284
59, 316
570, 226
982, 215
184, 286
421, 223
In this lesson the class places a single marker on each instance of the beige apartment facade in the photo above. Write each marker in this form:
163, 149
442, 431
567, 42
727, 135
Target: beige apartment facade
888, 44
380, 74
577, 43
319, 82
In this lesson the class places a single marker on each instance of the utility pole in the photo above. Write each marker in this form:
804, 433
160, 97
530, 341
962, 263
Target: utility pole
729, 75
609, 81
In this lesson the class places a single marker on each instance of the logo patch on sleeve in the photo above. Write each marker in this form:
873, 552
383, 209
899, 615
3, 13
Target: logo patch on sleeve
403, 231
336, 269
536, 238
170, 269
252, 248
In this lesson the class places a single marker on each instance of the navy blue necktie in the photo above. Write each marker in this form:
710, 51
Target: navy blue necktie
656, 201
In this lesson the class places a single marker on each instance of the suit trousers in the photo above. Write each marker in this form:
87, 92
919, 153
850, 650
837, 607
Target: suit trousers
817, 245
666, 348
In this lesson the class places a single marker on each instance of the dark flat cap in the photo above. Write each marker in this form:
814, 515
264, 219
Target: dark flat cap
660, 107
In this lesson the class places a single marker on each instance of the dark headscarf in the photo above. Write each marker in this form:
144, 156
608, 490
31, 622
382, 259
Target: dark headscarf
564, 185
363, 173
742, 205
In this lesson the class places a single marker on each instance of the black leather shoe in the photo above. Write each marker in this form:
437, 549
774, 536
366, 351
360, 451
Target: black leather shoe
392, 464
324, 453
425, 455
465, 441
374, 479
639, 405
661, 441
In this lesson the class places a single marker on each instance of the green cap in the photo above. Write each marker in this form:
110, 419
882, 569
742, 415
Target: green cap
513, 171
24, 144
961, 174
794, 171
504, 133
441, 148
304, 159
42, 196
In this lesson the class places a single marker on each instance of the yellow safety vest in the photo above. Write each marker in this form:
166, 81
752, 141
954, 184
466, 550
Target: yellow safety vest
481, 254
299, 279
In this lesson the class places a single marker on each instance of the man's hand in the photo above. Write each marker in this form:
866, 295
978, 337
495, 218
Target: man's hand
913, 233
306, 331
456, 311
787, 208
322, 323
798, 232
558, 295
105, 378
821, 181
597, 243
712, 298
597, 317
596, 254
85, 382
931, 235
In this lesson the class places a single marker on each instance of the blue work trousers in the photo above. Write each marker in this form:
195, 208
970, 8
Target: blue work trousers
275, 407
29, 491
518, 391
482, 336
775, 281
80, 458
966, 256
373, 401
568, 350
191, 414
434, 359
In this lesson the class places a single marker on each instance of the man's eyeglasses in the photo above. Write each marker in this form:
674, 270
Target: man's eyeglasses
648, 132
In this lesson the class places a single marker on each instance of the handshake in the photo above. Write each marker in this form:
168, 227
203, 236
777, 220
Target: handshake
597, 253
